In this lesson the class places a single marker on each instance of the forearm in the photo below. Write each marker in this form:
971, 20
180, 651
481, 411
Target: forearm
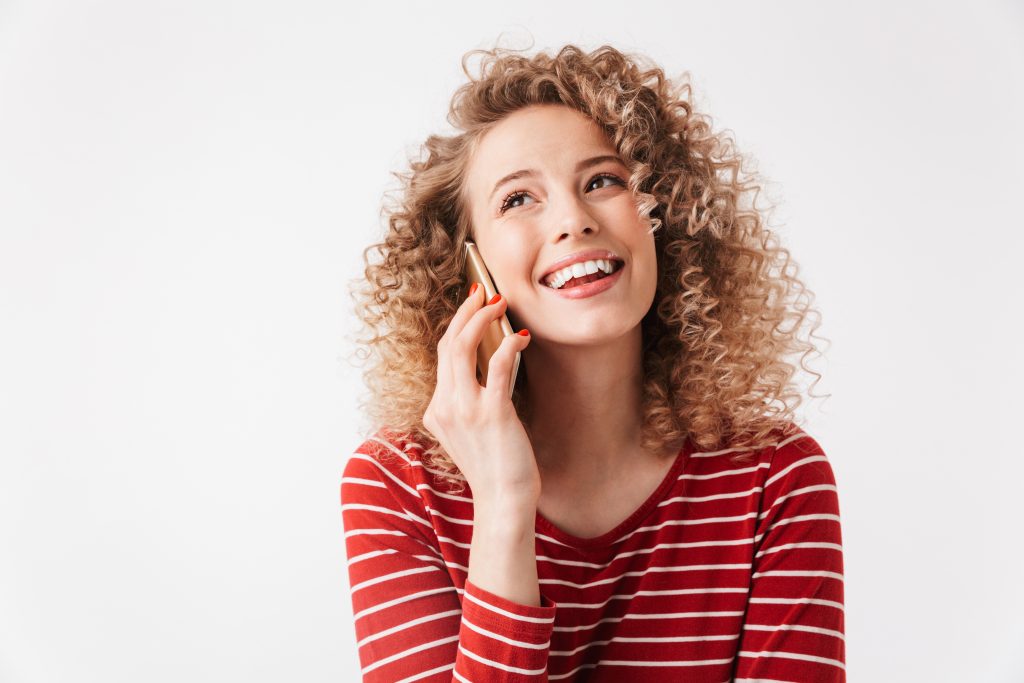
503, 554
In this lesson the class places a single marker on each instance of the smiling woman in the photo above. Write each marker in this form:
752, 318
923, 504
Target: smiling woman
644, 502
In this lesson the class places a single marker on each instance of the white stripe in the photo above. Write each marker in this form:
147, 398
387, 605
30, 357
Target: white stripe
417, 463
793, 655
403, 599
453, 520
716, 496
365, 482
502, 667
632, 596
452, 541
802, 518
790, 546
806, 489
394, 575
644, 571
789, 439
512, 615
445, 494
659, 663
405, 653
795, 627
381, 468
725, 473
370, 555
377, 508
671, 616
405, 625
644, 551
375, 532
788, 572
667, 639
431, 672
792, 466
670, 522
497, 636
391, 532
797, 601
748, 449
605, 661
682, 615
762, 680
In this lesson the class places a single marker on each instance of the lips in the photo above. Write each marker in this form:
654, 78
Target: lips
579, 257
590, 289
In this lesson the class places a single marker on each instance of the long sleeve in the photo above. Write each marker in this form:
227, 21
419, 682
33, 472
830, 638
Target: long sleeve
794, 625
410, 623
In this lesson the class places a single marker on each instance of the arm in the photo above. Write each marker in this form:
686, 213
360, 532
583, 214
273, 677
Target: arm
409, 622
794, 626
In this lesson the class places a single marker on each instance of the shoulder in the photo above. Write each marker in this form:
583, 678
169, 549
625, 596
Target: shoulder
798, 482
385, 459
797, 456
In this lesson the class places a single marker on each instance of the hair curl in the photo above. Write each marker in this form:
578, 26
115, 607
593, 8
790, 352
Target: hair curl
728, 307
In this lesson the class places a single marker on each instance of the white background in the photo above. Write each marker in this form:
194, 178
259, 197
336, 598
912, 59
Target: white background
186, 189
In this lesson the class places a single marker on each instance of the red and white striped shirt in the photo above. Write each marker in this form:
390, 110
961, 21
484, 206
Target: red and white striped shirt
728, 572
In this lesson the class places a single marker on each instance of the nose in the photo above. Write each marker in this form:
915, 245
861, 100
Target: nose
572, 217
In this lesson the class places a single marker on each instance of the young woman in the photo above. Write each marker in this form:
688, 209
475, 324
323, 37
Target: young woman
643, 506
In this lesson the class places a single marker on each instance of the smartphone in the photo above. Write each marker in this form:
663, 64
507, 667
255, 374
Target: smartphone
476, 271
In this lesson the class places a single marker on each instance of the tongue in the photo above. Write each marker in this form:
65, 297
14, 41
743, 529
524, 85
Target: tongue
577, 281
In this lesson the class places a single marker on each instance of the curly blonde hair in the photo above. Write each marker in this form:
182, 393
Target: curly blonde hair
728, 307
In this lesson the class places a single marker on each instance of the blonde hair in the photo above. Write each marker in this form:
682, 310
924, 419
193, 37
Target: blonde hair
728, 306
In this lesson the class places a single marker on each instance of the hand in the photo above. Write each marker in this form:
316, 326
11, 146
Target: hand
478, 426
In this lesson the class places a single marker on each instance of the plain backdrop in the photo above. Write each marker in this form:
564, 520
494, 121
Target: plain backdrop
186, 189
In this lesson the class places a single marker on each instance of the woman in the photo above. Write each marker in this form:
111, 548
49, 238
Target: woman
642, 507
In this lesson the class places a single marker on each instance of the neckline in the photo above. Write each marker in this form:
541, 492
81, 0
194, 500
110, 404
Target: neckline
631, 522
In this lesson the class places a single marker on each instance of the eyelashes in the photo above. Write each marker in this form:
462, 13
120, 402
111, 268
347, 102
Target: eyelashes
512, 196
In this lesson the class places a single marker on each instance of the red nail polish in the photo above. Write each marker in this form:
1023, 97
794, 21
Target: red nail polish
472, 290
524, 332
494, 299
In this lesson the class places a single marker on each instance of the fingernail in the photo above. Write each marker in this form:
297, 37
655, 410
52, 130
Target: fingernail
472, 290
494, 299
524, 332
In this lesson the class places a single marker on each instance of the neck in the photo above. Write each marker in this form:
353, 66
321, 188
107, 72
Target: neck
585, 406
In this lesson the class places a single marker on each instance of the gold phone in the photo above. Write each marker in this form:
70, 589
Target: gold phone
476, 271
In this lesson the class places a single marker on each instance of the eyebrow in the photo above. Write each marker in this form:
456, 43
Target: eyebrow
586, 163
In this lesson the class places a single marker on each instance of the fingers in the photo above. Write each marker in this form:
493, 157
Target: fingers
499, 372
467, 308
464, 358
463, 313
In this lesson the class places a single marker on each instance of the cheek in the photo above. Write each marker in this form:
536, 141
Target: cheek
509, 265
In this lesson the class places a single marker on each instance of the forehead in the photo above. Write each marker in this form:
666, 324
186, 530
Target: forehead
537, 137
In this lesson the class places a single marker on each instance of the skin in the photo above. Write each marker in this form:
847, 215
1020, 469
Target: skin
584, 359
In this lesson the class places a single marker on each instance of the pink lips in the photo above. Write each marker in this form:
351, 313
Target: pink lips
590, 289
579, 257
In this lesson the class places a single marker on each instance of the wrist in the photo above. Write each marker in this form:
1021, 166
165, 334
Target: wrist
512, 513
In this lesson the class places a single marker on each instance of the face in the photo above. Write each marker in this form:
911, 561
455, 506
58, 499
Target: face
564, 204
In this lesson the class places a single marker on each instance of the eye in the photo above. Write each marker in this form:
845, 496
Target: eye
605, 176
506, 204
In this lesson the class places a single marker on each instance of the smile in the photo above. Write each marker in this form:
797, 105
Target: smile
590, 289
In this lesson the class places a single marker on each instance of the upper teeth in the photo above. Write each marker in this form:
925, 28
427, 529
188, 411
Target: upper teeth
557, 279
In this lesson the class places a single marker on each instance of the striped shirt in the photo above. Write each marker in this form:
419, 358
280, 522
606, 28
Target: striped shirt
727, 572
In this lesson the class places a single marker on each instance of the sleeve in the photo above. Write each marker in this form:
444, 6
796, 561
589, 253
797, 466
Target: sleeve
794, 624
409, 622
